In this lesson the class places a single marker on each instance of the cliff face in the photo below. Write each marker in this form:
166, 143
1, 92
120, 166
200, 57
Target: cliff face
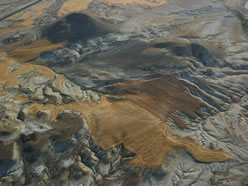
106, 92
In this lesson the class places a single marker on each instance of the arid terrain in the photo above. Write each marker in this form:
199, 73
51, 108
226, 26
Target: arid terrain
125, 92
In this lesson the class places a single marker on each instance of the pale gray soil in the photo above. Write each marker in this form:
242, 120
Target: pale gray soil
201, 42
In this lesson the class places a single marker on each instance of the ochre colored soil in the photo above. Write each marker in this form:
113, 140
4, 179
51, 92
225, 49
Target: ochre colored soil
135, 121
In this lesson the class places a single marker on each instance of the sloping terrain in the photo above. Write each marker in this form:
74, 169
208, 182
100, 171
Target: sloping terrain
74, 27
106, 92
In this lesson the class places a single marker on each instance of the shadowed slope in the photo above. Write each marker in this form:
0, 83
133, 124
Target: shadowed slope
125, 122
162, 97
71, 28
114, 123
74, 27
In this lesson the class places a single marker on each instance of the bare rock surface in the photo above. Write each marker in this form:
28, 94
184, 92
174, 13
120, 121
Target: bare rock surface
106, 92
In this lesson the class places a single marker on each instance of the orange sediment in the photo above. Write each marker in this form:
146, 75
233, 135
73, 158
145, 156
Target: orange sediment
11, 78
127, 122
3, 93
21, 99
138, 121
26, 53
163, 97
60, 81
70, 6
113, 123
199, 153
141, 2
246, 5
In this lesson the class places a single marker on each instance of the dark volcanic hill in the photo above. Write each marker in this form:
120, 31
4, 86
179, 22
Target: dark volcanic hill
74, 27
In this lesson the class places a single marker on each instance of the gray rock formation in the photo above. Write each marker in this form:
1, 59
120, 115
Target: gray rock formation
202, 45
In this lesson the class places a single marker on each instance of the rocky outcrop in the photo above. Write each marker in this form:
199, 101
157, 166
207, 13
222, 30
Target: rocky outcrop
74, 27
33, 149
132, 93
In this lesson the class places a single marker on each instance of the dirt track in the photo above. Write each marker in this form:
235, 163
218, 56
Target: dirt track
15, 7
